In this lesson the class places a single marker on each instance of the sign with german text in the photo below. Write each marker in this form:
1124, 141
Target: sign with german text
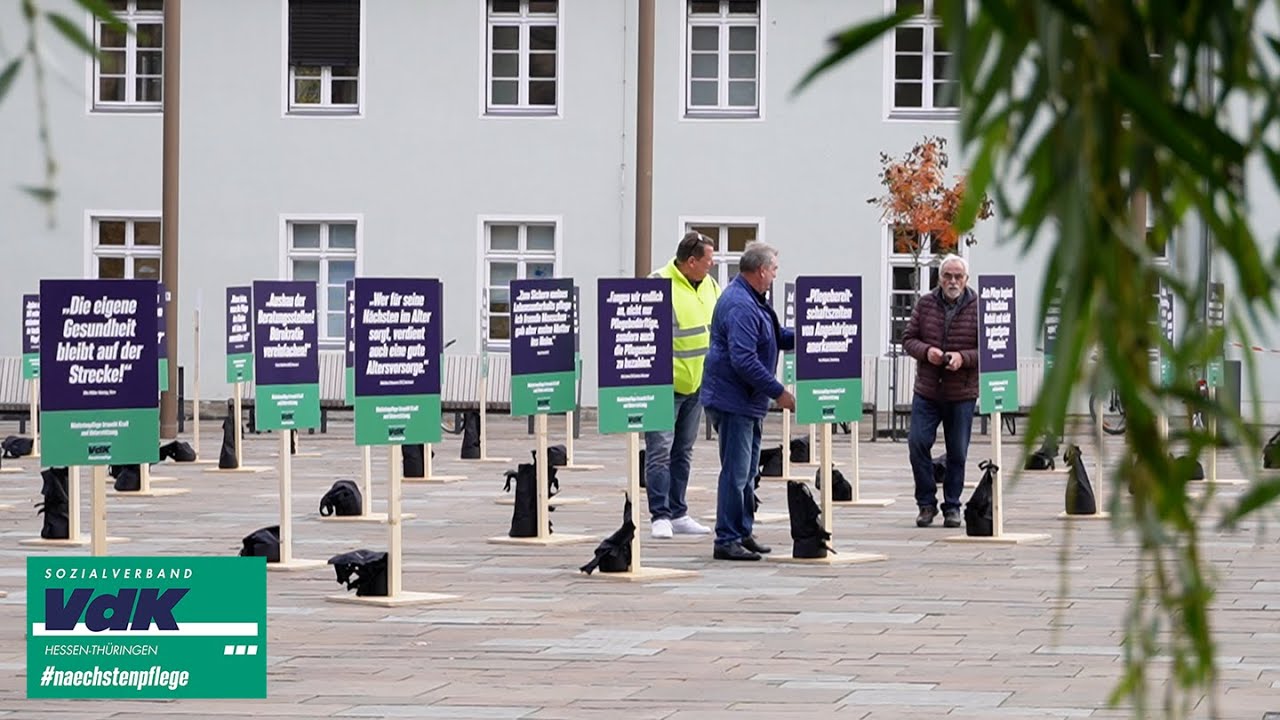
239, 335
542, 367
30, 337
398, 341
634, 350
349, 345
1164, 300
789, 322
1052, 318
162, 307
99, 390
146, 627
1216, 319
828, 317
286, 361
997, 344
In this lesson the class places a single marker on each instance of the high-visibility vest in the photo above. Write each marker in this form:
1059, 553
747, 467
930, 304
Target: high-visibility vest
691, 333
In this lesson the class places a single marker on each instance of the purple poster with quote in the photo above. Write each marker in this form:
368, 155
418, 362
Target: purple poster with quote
634, 355
828, 318
997, 344
542, 347
286, 359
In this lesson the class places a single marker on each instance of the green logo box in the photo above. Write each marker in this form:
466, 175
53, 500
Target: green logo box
1213, 373
349, 384
788, 368
31, 366
240, 368
146, 627
641, 408
828, 401
397, 419
997, 391
164, 374
287, 407
100, 437
543, 393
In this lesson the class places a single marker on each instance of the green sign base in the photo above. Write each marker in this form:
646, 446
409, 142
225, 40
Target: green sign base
828, 401
637, 409
31, 366
997, 391
240, 368
349, 386
164, 374
287, 407
543, 393
100, 437
397, 420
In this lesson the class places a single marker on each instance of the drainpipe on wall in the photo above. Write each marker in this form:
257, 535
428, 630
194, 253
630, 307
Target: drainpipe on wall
644, 141
169, 209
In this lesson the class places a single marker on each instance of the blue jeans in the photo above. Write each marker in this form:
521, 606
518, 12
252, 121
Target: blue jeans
957, 426
667, 456
739, 444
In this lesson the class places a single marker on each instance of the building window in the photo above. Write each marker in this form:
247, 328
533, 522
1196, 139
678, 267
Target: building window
922, 84
908, 278
513, 251
730, 239
126, 248
523, 58
325, 253
128, 71
722, 58
324, 56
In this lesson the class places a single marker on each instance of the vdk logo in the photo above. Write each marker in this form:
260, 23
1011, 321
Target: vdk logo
127, 609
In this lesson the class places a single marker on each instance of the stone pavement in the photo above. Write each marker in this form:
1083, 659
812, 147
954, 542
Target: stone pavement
938, 629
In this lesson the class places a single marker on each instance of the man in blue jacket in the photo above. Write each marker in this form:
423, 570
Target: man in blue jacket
738, 381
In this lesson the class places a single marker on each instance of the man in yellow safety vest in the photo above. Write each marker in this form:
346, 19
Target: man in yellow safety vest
668, 454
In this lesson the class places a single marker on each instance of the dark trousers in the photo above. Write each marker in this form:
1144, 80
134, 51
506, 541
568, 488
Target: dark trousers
956, 419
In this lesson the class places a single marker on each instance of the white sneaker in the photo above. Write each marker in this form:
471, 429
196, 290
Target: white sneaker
661, 529
688, 526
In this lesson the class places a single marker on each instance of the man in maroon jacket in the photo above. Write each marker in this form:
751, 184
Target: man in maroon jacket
943, 338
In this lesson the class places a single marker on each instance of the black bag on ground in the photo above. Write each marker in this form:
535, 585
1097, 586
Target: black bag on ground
642, 480
808, 539
1271, 453
1043, 458
524, 515
940, 469
1189, 468
178, 451
841, 489
128, 477
1080, 497
227, 454
293, 442
470, 435
16, 446
414, 462
771, 461
800, 450
343, 500
557, 456
613, 554
57, 525
364, 570
755, 496
979, 518
263, 542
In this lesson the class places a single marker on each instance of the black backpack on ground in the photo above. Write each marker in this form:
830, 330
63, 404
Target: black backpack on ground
128, 477
808, 539
613, 554
1189, 468
15, 446
979, 518
800, 450
557, 456
524, 515
940, 469
1080, 497
771, 461
264, 542
1271, 453
642, 473
343, 500
178, 451
57, 524
413, 460
470, 435
1043, 458
227, 454
364, 570
841, 489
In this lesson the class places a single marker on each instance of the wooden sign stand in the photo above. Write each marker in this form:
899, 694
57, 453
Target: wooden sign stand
856, 482
287, 560
144, 486
428, 476
482, 392
544, 536
568, 447
832, 558
998, 536
366, 491
195, 392
74, 538
237, 406
395, 597
34, 411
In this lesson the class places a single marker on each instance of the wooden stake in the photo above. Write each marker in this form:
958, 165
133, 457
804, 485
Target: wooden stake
98, 506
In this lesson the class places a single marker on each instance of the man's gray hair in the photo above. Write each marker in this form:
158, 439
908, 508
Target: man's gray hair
952, 260
756, 255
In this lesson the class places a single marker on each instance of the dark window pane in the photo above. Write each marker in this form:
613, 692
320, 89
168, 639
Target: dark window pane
306, 92
118, 5
711, 231
744, 7
705, 65
111, 232
909, 39
542, 6
505, 65
151, 5
941, 66
742, 93
343, 92
111, 62
146, 232
542, 37
705, 38
739, 237
915, 6
704, 7
542, 65
111, 89
908, 67
146, 268
505, 6
109, 37
150, 35
506, 37
703, 93
542, 92
908, 95
946, 95
345, 71
505, 92
499, 327
150, 62
111, 268
742, 38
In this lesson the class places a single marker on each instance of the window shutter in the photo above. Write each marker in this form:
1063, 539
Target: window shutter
324, 32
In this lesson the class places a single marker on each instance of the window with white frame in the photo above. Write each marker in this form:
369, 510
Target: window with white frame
522, 62
730, 240
128, 71
722, 58
324, 56
324, 252
512, 251
125, 248
909, 278
923, 85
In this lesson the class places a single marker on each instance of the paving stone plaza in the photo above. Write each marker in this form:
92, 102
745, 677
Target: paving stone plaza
938, 629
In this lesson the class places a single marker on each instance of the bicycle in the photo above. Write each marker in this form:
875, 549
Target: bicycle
1111, 410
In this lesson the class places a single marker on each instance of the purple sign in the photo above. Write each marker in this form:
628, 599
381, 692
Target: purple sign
398, 334
350, 340
239, 330
997, 343
30, 324
286, 333
162, 303
789, 306
101, 353
828, 327
634, 332
542, 326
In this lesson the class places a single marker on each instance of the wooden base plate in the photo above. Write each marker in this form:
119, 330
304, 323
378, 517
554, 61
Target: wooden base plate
863, 502
485, 460
580, 467
1100, 515
553, 539
153, 492
643, 574
556, 501
11, 470
1003, 539
435, 479
296, 564
764, 518
82, 541
242, 470
404, 598
377, 517
847, 558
